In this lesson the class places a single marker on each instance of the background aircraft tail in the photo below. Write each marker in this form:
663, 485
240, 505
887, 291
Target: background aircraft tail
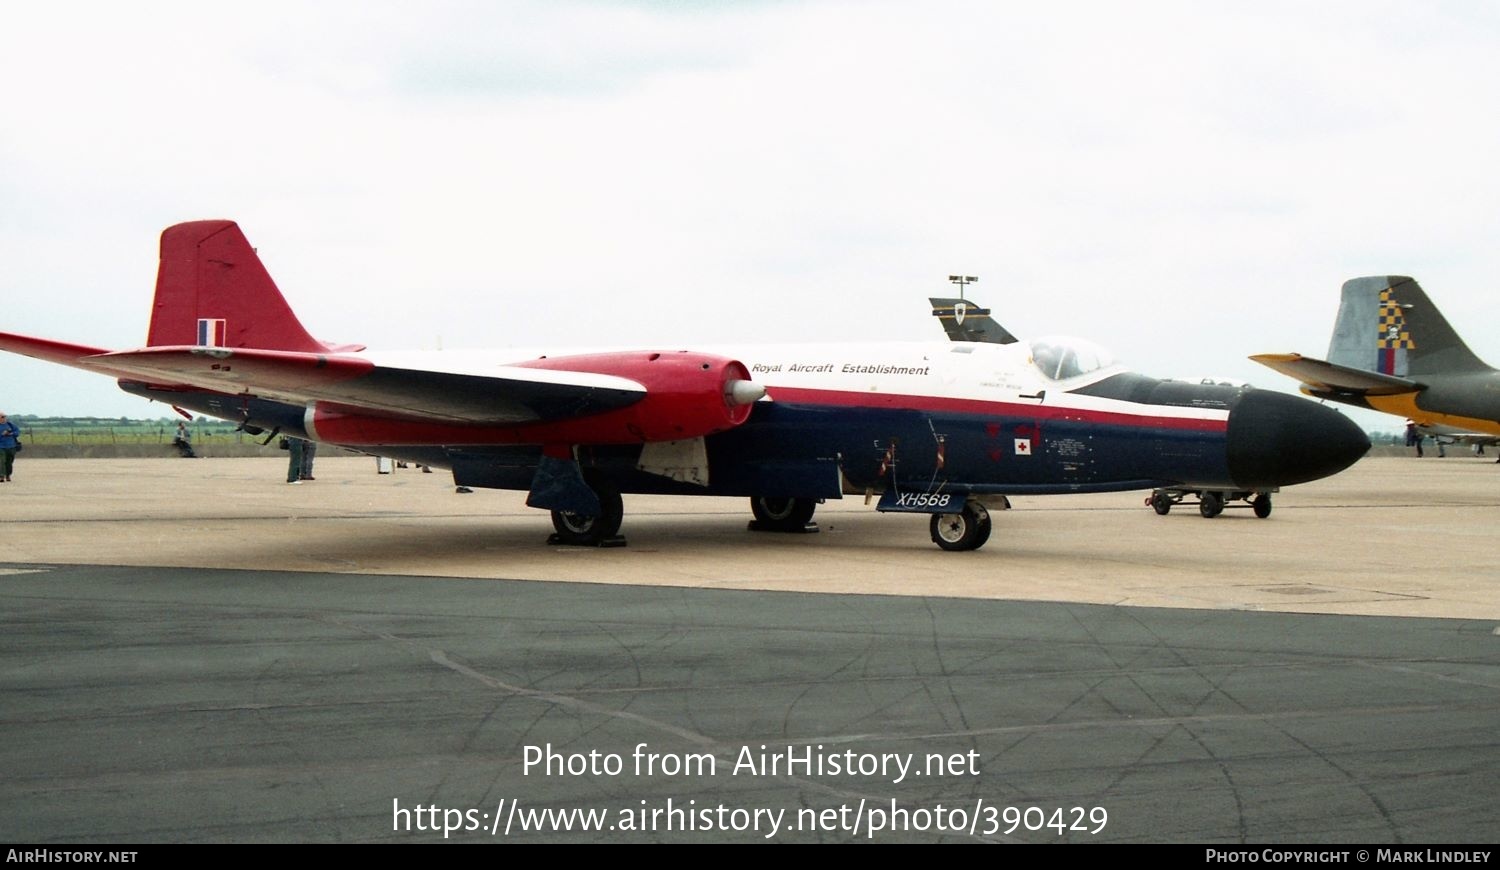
211, 289
1386, 324
965, 321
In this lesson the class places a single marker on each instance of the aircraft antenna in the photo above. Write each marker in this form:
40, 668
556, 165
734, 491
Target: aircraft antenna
962, 281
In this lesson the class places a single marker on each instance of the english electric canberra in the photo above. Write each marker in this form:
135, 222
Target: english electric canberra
947, 429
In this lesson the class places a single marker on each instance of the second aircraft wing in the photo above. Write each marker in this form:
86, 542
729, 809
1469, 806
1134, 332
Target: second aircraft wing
1320, 376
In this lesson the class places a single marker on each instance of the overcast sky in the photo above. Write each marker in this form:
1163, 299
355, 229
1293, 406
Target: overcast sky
1186, 183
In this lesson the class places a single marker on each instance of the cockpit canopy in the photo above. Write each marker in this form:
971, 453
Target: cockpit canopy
1062, 358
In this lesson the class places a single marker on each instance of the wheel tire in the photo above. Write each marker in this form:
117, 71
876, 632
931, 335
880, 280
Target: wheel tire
1262, 505
1161, 503
985, 527
589, 531
1210, 505
783, 514
965, 530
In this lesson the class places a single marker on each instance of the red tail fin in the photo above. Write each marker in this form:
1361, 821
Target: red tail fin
211, 289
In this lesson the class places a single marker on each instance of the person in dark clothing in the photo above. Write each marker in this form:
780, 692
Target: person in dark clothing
1413, 437
10, 442
183, 441
300, 462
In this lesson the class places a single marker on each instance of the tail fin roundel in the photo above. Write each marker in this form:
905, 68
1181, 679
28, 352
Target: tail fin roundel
211, 289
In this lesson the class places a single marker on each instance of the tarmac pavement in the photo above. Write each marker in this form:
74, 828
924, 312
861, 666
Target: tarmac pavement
191, 650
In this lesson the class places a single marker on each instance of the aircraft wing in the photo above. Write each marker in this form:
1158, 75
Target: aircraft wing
60, 352
1321, 376
1452, 435
502, 394
484, 395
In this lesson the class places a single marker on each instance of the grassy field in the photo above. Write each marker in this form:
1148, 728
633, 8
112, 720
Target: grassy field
97, 431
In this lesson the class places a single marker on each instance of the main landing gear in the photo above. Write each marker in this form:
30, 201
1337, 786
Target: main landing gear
585, 531
1210, 503
966, 530
783, 515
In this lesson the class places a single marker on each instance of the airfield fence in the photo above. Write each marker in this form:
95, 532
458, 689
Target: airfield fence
95, 438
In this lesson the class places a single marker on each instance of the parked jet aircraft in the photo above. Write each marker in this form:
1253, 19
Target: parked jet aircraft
932, 428
1393, 351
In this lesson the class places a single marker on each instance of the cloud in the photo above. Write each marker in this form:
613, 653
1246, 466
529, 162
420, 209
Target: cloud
1187, 184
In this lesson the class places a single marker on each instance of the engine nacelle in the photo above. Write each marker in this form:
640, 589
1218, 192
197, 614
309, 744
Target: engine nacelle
688, 395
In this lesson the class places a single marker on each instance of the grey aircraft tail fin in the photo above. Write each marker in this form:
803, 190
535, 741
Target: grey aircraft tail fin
1386, 324
965, 321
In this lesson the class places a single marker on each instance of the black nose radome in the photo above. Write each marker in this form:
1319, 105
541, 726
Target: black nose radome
1278, 440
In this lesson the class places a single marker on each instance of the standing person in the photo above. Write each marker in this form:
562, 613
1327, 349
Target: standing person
294, 447
300, 463
1413, 437
309, 450
10, 442
183, 441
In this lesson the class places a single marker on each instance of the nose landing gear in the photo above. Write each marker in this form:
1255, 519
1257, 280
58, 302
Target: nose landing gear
966, 530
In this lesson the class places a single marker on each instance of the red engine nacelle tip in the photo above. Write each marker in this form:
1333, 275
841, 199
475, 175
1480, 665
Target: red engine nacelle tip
688, 395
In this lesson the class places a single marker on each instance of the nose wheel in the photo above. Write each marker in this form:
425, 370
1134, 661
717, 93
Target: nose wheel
966, 530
